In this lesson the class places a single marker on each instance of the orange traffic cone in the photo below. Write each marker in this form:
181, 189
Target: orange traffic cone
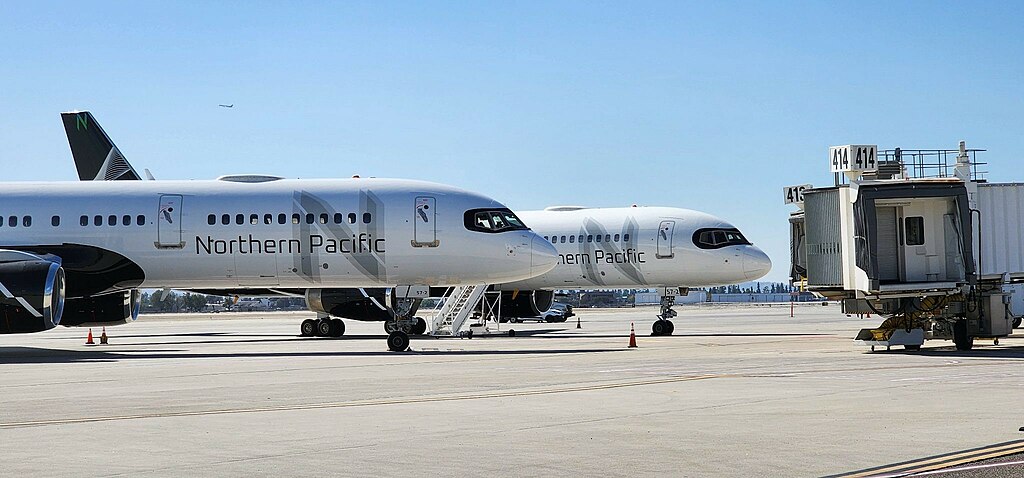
632, 336
103, 336
88, 340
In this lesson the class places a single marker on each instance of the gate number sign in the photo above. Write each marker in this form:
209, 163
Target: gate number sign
795, 194
853, 157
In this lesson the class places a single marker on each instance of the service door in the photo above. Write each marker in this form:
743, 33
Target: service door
888, 245
168, 222
665, 239
424, 222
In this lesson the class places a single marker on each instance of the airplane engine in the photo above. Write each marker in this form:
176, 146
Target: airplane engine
32, 295
103, 310
355, 304
527, 303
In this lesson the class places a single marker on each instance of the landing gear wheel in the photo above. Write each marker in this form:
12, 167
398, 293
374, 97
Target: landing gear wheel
660, 327
960, 337
398, 341
308, 328
1017, 321
323, 328
337, 328
421, 326
391, 327
671, 327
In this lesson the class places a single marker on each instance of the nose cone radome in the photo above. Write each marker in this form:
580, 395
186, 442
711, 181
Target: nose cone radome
543, 256
756, 263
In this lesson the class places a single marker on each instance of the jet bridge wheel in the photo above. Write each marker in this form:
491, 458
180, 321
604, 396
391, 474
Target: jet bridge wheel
308, 328
398, 341
961, 338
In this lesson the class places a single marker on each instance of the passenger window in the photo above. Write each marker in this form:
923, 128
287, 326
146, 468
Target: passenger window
616, 238
225, 219
366, 218
572, 239
546, 238
84, 220
296, 218
563, 239
915, 231
282, 218
554, 239
351, 218
55, 221
239, 219
625, 237
26, 221
126, 220
598, 238
323, 218
140, 220
607, 238
211, 219
590, 238
268, 219
580, 240
254, 219
338, 218
97, 220
12, 221
310, 218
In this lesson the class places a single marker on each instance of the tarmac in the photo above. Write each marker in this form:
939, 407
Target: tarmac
737, 391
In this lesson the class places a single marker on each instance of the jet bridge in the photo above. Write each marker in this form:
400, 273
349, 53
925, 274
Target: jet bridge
918, 237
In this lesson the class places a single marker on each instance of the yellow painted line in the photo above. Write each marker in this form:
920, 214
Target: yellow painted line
944, 461
370, 403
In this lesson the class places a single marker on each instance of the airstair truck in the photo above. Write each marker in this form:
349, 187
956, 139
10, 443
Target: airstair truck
917, 237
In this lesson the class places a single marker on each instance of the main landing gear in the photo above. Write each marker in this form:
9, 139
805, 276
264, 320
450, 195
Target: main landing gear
322, 327
664, 326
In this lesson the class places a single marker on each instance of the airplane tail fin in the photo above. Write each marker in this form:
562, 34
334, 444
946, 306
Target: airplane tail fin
96, 157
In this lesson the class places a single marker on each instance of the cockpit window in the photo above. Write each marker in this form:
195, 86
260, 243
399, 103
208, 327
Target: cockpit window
493, 220
718, 238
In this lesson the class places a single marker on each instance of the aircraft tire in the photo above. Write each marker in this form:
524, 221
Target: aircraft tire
671, 327
337, 327
1017, 321
421, 326
323, 328
308, 328
398, 341
658, 328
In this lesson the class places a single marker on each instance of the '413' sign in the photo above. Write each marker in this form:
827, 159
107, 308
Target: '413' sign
853, 157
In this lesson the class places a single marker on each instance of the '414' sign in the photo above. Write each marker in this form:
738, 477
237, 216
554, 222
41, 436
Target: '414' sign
853, 157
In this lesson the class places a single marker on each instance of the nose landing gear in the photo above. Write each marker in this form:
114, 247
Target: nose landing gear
664, 325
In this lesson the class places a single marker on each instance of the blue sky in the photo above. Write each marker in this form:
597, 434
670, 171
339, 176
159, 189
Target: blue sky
713, 106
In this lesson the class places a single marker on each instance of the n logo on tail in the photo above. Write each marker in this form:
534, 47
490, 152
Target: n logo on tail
96, 157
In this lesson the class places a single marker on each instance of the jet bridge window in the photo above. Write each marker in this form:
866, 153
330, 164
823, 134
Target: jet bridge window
718, 238
496, 220
915, 230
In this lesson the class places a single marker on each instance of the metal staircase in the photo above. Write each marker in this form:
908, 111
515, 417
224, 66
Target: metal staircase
457, 308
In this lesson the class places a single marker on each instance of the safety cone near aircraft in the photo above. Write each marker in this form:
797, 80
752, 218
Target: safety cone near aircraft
632, 336
88, 340
103, 336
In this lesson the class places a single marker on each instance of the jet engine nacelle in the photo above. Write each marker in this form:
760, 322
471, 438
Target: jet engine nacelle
527, 303
31, 295
356, 304
103, 310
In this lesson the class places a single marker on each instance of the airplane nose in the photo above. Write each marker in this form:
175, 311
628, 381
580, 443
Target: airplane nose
543, 256
756, 263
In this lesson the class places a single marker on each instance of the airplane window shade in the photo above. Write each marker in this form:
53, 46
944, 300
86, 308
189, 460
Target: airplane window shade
718, 238
496, 220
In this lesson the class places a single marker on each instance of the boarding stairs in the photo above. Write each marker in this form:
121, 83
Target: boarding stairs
456, 309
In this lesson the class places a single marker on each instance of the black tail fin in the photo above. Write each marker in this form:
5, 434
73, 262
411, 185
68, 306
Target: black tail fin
96, 157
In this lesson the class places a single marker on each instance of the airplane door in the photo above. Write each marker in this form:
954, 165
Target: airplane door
168, 222
424, 222
665, 239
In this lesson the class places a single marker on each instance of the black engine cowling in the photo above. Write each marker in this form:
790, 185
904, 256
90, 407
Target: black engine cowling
102, 310
31, 295
356, 304
526, 303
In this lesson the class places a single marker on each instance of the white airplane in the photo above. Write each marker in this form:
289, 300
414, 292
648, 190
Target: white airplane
76, 253
598, 248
